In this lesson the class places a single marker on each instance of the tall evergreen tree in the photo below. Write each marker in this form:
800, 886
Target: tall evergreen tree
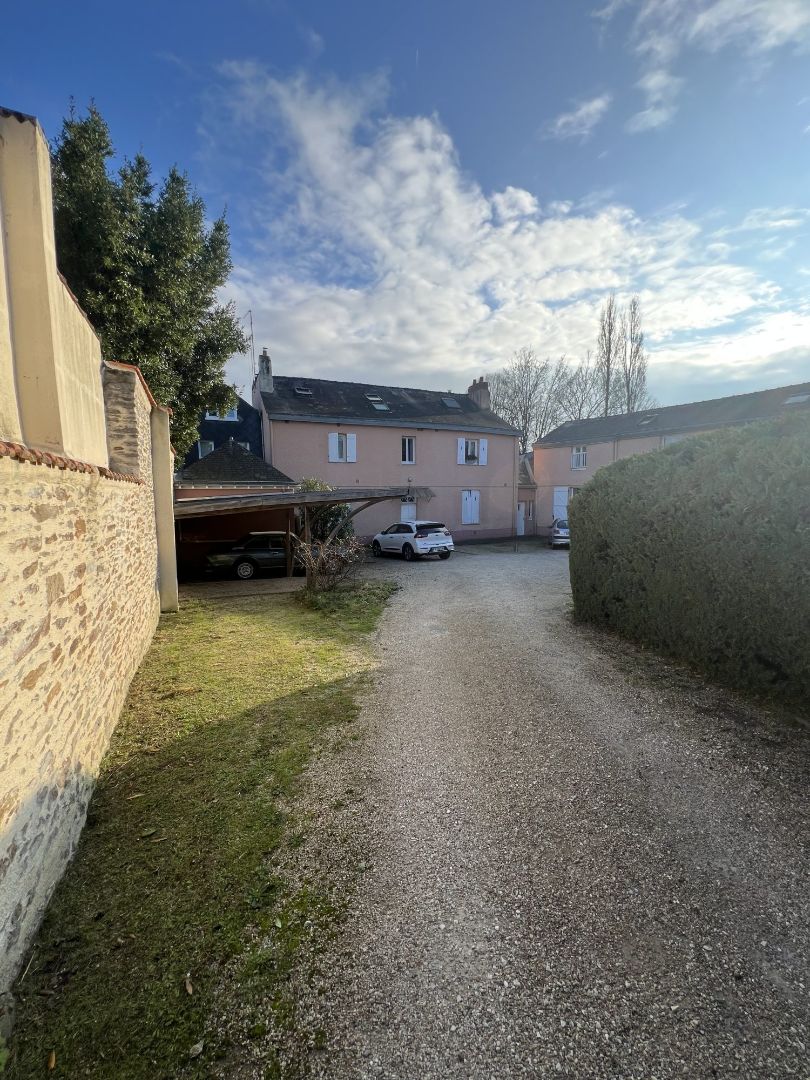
146, 268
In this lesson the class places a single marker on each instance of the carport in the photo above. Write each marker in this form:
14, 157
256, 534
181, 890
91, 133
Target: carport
287, 503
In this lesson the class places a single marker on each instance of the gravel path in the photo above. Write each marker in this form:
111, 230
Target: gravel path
577, 859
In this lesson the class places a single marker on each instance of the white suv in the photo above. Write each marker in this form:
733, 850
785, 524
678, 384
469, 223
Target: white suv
412, 539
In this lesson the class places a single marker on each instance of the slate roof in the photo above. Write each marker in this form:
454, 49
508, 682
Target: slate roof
338, 401
232, 464
671, 419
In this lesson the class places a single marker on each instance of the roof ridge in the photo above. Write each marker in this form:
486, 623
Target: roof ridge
379, 386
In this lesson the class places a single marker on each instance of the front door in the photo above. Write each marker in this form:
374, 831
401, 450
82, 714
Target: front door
560, 502
407, 511
520, 524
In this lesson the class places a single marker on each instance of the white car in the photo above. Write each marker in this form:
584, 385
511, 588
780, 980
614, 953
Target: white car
412, 539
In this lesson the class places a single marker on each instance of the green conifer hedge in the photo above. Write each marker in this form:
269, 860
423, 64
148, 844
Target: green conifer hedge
702, 550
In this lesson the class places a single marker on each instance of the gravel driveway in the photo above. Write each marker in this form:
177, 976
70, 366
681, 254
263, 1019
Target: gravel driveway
576, 859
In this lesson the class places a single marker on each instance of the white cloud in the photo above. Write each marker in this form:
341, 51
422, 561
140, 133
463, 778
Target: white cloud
661, 89
663, 29
374, 256
580, 122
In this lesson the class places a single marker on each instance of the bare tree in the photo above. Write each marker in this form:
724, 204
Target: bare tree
580, 394
608, 353
632, 382
526, 394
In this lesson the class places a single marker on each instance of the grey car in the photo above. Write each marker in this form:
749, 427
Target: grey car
560, 533
254, 552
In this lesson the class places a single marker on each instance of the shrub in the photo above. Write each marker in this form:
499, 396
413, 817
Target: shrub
702, 550
327, 565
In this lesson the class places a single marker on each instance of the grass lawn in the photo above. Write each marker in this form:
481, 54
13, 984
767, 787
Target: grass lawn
176, 908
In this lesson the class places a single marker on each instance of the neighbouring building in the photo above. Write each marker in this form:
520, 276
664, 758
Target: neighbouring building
567, 457
229, 470
526, 521
87, 557
241, 425
349, 434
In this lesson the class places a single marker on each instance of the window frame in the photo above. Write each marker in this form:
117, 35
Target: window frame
405, 460
579, 457
205, 442
468, 458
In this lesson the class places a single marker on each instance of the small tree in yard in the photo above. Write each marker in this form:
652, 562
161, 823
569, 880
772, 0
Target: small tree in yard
333, 551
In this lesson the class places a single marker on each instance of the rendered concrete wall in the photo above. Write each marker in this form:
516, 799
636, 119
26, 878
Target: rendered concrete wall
300, 449
48, 351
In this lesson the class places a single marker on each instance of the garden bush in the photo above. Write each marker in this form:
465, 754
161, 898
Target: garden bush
702, 550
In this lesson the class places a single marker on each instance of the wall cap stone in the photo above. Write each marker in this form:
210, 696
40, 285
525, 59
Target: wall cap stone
19, 452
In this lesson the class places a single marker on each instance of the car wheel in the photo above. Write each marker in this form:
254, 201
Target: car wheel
244, 569
407, 553
376, 550
445, 554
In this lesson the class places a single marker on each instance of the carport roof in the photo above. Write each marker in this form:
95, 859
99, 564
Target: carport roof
287, 500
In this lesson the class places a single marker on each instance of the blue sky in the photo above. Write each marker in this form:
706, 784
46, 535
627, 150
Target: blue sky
417, 190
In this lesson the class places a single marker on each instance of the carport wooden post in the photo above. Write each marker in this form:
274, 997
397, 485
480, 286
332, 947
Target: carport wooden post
290, 513
306, 542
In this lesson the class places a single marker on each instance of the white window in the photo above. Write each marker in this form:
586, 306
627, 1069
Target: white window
407, 510
408, 450
205, 446
472, 451
572, 492
470, 507
231, 414
342, 446
579, 457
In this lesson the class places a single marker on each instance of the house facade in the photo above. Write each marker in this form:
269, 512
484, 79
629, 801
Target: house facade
357, 434
568, 457
241, 425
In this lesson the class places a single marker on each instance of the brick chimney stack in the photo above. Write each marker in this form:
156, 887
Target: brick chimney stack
479, 392
265, 372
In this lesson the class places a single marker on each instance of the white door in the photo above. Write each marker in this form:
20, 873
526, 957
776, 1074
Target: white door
407, 510
560, 502
470, 507
520, 527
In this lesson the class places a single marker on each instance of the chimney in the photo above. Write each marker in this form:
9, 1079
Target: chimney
479, 392
265, 372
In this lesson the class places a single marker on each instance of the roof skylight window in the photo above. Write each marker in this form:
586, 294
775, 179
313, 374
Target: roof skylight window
451, 403
380, 406
648, 419
797, 399
304, 391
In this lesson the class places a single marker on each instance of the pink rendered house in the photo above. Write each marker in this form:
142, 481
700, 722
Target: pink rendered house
355, 434
568, 457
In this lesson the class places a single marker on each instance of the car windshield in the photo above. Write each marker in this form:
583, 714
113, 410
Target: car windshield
430, 526
562, 524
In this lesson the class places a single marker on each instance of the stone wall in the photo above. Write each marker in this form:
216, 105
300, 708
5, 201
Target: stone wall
79, 592
87, 558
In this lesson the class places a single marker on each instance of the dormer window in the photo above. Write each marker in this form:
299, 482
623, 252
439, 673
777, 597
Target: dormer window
304, 391
231, 414
377, 402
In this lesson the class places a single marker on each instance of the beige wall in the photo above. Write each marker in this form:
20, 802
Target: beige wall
300, 449
552, 468
50, 359
86, 544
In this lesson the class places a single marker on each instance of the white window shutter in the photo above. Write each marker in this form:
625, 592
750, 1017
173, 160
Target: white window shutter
460, 458
333, 446
351, 448
482, 452
475, 516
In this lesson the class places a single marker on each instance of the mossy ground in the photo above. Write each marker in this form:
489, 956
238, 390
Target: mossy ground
176, 880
